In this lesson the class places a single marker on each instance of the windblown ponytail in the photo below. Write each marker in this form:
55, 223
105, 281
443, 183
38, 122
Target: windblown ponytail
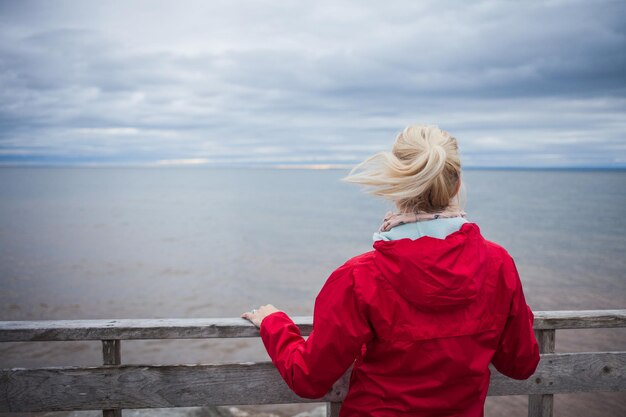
420, 174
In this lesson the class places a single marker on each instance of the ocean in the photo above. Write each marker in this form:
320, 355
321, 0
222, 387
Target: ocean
95, 243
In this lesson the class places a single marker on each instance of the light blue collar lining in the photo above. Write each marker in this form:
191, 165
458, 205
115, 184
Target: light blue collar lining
437, 228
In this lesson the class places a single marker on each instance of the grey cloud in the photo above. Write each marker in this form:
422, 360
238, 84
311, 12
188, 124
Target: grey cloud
222, 81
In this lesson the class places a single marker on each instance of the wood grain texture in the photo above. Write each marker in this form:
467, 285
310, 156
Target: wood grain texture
559, 373
126, 329
540, 405
111, 355
582, 319
543, 405
137, 386
111, 352
332, 409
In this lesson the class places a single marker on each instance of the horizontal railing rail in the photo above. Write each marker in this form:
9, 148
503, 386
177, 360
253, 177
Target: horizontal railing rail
130, 329
164, 386
113, 386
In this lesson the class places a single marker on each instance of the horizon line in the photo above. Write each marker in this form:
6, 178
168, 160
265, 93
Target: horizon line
320, 167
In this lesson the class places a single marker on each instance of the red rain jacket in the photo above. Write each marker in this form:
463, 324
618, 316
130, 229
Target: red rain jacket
422, 318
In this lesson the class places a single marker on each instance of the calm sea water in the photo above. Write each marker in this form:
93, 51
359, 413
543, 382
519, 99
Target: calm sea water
81, 243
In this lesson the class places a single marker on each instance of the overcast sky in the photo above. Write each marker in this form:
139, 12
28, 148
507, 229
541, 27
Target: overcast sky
538, 83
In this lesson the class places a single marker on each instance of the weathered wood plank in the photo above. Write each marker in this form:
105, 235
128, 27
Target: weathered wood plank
543, 405
111, 352
540, 405
546, 340
15, 331
559, 373
127, 329
582, 319
111, 355
137, 386
332, 409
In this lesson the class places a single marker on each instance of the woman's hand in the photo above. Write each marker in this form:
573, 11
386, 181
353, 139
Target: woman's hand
256, 316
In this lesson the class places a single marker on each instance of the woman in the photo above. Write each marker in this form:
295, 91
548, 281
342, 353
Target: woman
424, 313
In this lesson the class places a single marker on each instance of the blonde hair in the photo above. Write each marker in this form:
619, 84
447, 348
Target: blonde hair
420, 174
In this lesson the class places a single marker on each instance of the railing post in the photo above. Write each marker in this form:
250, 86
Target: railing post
332, 409
111, 355
541, 405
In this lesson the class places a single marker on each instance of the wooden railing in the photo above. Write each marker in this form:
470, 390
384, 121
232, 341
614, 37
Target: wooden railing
114, 386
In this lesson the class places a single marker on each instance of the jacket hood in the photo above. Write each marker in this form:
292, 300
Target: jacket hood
435, 274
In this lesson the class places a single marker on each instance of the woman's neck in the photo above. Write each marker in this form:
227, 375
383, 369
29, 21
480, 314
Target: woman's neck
394, 219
